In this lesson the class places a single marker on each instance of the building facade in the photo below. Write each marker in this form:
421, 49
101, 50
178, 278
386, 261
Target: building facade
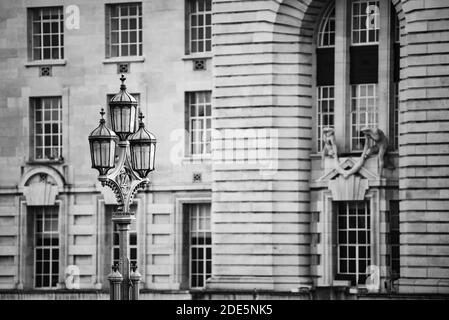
302, 147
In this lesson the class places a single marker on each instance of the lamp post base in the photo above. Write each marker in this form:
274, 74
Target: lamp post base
123, 221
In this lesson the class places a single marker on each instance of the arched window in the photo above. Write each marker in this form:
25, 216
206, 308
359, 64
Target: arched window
325, 82
326, 37
357, 75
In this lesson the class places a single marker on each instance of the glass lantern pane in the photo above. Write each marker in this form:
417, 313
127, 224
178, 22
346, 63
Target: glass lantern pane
111, 154
125, 119
96, 154
146, 157
105, 154
136, 156
133, 119
152, 156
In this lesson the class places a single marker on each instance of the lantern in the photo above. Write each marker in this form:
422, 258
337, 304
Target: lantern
123, 110
102, 147
142, 148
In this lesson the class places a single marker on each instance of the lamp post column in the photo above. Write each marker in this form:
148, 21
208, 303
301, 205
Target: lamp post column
123, 221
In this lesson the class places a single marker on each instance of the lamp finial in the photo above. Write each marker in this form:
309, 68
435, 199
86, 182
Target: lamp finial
141, 116
102, 113
122, 79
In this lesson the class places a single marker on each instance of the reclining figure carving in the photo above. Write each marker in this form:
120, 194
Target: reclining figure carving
330, 144
378, 145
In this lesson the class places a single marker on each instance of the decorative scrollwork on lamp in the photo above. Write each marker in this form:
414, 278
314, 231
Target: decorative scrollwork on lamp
124, 157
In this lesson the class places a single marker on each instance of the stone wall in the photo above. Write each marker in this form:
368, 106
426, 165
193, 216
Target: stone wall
423, 151
83, 79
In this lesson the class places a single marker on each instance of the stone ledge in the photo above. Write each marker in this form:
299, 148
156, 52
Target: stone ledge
49, 62
193, 56
124, 59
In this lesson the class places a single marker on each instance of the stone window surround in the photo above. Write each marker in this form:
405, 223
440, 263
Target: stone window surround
329, 239
342, 95
188, 50
36, 102
181, 276
139, 28
190, 136
26, 247
40, 93
30, 33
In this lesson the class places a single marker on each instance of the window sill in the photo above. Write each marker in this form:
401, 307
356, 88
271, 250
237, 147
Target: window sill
196, 159
49, 62
193, 56
124, 59
315, 156
45, 162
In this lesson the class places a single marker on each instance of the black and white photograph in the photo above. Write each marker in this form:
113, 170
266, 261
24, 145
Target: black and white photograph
224, 150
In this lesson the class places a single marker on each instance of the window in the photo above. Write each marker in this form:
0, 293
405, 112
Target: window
325, 116
353, 239
356, 76
365, 22
326, 36
47, 33
394, 240
363, 112
46, 252
394, 136
124, 30
47, 126
200, 244
199, 122
132, 244
199, 26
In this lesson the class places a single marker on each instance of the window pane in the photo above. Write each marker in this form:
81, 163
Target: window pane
365, 22
364, 112
48, 23
325, 114
46, 251
355, 257
200, 120
200, 244
125, 19
199, 22
326, 36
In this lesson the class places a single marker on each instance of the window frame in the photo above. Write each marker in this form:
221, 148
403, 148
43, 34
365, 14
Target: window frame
320, 114
138, 30
366, 30
188, 25
342, 81
51, 247
59, 34
325, 28
200, 247
206, 130
367, 244
355, 110
393, 231
181, 234
34, 102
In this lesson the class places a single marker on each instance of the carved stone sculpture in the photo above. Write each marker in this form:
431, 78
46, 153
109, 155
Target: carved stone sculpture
378, 146
375, 143
330, 144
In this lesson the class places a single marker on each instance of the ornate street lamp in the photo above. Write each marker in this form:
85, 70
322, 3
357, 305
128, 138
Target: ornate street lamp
123, 108
125, 171
143, 149
102, 147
